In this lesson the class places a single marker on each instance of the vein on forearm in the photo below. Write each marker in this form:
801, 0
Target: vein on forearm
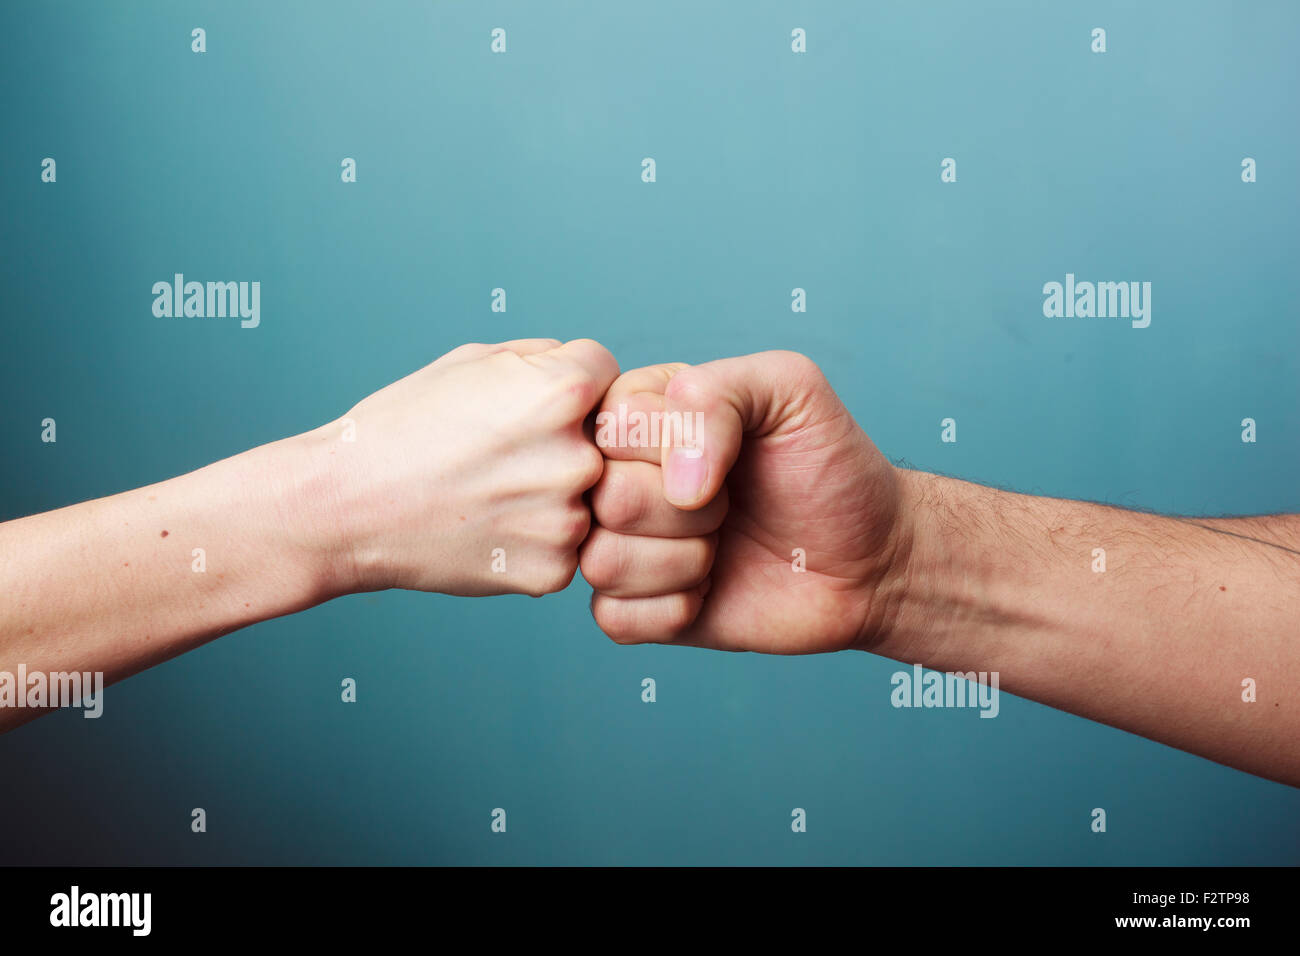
1200, 523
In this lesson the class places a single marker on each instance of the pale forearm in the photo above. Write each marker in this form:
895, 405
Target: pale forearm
465, 477
1158, 643
122, 583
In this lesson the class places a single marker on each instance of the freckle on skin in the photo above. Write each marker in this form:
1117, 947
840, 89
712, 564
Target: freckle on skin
164, 534
1222, 588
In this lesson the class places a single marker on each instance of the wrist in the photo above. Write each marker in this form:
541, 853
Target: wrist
952, 586
883, 589
308, 505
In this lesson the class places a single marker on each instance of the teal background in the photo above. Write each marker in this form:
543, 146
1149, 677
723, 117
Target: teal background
522, 170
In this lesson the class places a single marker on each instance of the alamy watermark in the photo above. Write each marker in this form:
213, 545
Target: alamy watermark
624, 429
922, 688
213, 300
130, 910
40, 689
1100, 300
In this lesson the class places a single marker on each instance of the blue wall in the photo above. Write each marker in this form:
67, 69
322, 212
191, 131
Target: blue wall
775, 170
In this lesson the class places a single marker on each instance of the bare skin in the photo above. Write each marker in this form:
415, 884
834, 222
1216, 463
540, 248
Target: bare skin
415, 487
402, 492
932, 570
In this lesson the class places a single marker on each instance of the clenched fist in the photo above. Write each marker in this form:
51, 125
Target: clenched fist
766, 521
467, 477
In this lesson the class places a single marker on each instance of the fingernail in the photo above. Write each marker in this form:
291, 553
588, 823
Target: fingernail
684, 475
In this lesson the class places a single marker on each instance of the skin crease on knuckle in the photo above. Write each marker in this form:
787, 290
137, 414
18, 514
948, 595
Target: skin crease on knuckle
589, 465
617, 503
615, 563
689, 389
685, 565
629, 499
554, 523
576, 527
632, 621
602, 559
613, 618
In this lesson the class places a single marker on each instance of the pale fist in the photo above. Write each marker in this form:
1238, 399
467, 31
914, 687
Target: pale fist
467, 477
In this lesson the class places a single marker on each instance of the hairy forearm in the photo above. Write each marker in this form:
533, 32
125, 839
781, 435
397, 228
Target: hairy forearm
122, 583
1158, 643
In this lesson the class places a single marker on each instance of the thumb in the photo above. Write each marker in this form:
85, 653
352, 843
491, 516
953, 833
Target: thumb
708, 409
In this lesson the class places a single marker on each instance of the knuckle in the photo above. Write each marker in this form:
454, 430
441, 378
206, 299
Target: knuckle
678, 615
602, 560
593, 345
469, 350
573, 394
799, 366
574, 526
617, 502
630, 622
590, 465
702, 558
555, 577
616, 625
575, 468
688, 388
